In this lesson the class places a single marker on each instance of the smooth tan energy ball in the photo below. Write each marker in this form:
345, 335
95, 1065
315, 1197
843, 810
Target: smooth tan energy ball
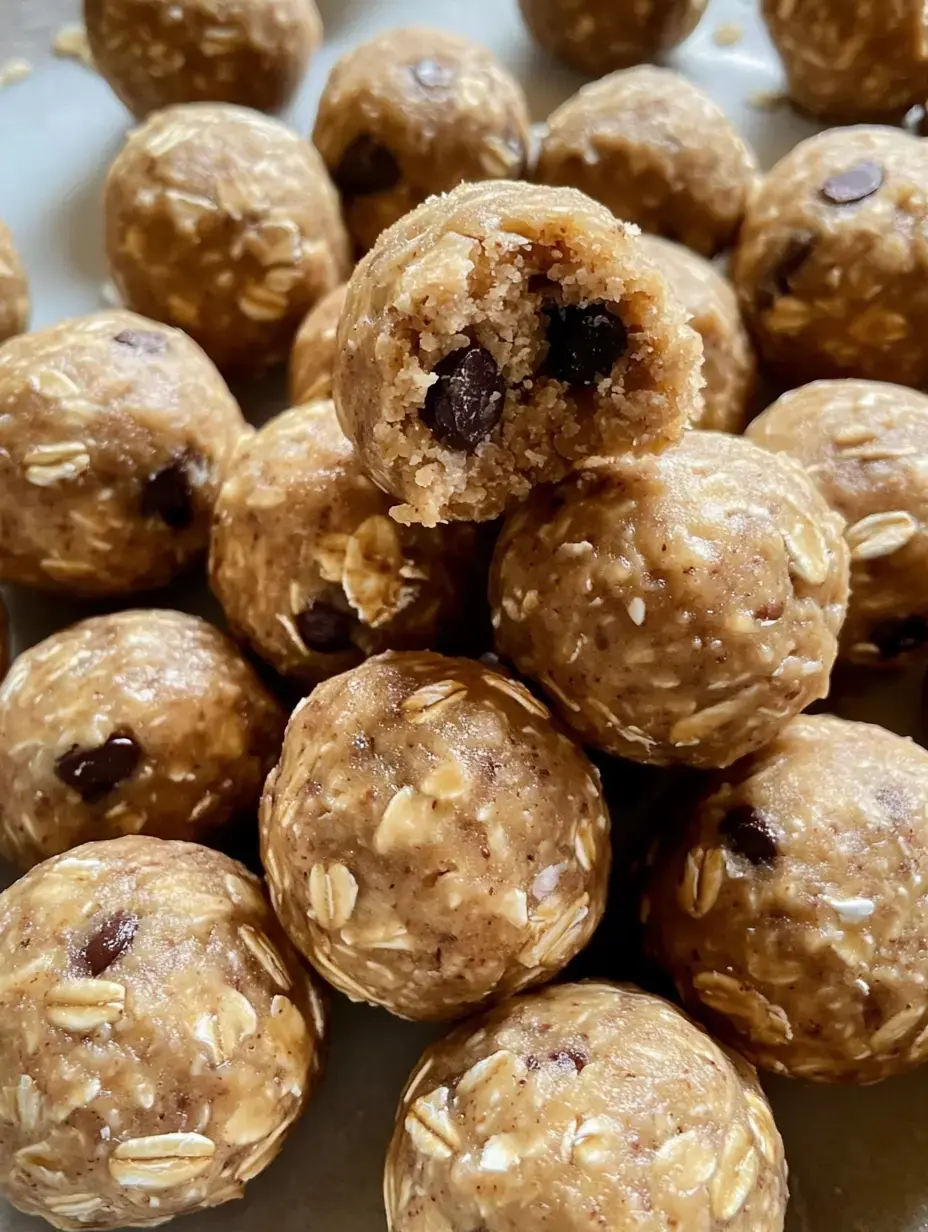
432, 840
312, 359
14, 288
584, 1106
678, 608
225, 223
155, 54
139, 721
160, 1036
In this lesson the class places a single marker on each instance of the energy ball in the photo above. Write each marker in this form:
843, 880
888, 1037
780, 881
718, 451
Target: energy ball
414, 112
499, 335
310, 569
679, 608
115, 433
791, 911
597, 1104
432, 840
312, 359
864, 446
139, 721
597, 36
728, 364
14, 288
831, 267
657, 151
155, 54
225, 223
159, 1039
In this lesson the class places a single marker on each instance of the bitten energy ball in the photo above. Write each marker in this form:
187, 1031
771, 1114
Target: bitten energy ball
864, 446
414, 112
657, 151
792, 911
160, 1036
139, 721
598, 1104
14, 289
597, 36
312, 571
115, 433
498, 335
678, 608
728, 364
312, 360
832, 268
431, 839
252, 52
225, 223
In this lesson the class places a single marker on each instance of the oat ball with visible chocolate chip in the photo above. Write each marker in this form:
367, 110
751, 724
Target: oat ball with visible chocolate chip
792, 909
139, 721
832, 266
160, 1036
312, 359
414, 112
678, 608
864, 445
498, 335
598, 1104
14, 288
311, 570
225, 223
155, 54
115, 433
657, 151
432, 840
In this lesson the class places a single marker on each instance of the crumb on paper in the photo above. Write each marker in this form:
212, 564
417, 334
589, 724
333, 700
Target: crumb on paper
12, 71
71, 44
729, 34
767, 100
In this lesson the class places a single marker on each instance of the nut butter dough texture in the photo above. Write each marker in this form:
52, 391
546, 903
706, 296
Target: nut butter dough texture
792, 911
498, 335
312, 359
14, 288
584, 1106
832, 263
678, 608
139, 721
160, 1036
657, 151
155, 54
225, 223
864, 445
115, 433
431, 838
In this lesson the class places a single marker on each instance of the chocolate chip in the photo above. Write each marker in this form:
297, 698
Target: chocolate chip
768, 612
779, 279
853, 185
366, 167
466, 402
93, 773
325, 628
898, 637
110, 942
166, 495
748, 833
142, 340
432, 75
584, 343
570, 1058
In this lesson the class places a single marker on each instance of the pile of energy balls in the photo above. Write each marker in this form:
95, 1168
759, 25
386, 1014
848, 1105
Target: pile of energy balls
663, 587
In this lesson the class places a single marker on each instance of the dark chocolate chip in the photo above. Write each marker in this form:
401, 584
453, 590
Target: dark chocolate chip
366, 167
584, 343
855, 184
93, 773
748, 833
466, 402
110, 942
768, 612
779, 279
167, 495
431, 75
325, 628
570, 1058
142, 340
898, 637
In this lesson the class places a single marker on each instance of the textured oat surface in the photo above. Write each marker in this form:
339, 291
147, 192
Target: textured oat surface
14, 288
312, 358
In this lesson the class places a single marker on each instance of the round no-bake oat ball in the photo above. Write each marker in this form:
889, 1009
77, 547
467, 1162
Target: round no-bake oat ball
832, 262
14, 288
792, 911
155, 54
864, 445
678, 608
139, 721
432, 840
584, 1106
657, 151
312, 359
312, 571
498, 335
225, 223
160, 1036
597, 36
115, 433
414, 112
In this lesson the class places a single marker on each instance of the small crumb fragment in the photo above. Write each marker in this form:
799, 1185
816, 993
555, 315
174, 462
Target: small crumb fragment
71, 44
728, 34
12, 71
767, 100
